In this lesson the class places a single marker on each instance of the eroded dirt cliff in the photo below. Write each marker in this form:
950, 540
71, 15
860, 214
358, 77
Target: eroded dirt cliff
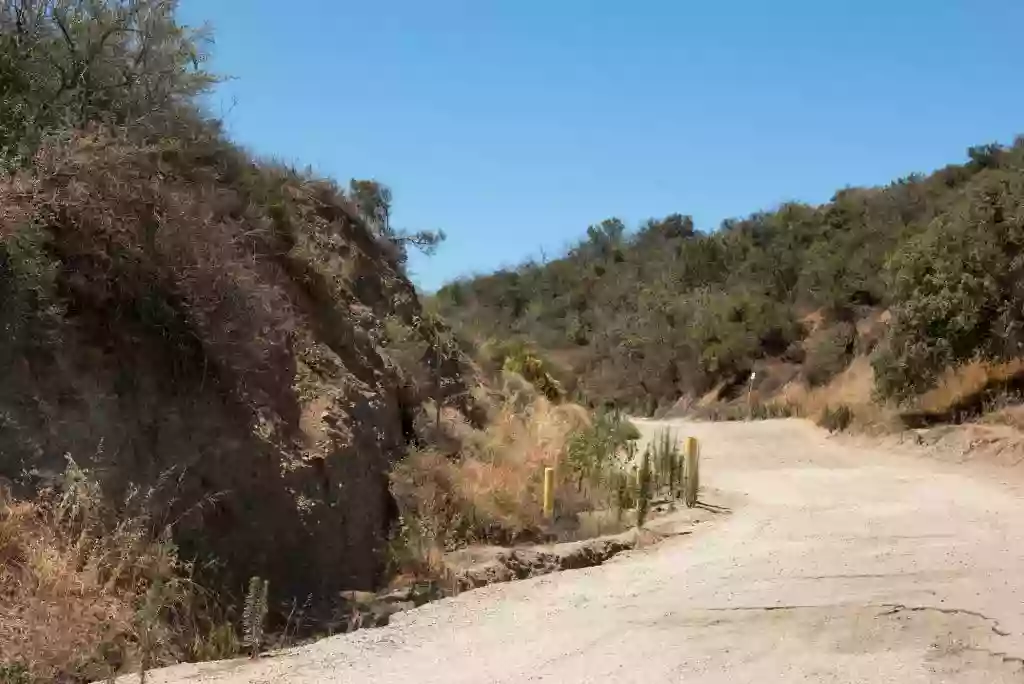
179, 318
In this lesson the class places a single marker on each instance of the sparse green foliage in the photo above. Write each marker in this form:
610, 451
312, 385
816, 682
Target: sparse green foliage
644, 486
13, 673
666, 463
149, 625
219, 642
522, 359
625, 486
373, 202
28, 283
254, 614
594, 453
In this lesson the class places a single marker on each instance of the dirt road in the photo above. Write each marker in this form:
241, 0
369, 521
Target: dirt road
835, 565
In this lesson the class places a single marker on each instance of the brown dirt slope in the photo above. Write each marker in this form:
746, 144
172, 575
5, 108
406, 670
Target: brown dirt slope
177, 315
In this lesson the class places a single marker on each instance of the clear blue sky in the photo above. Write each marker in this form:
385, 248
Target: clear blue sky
515, 124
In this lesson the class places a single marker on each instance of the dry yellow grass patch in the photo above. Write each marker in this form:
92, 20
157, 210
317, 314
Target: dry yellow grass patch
712, 396
75, 581
491, 491
813, 321
852, 388
1013, 416
961, 387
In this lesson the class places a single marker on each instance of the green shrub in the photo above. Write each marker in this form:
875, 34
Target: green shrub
665, 312
522, 359
69, 64
625, 494
593, 452
956, 288
733, 329
829, 352
644, 486
666, 461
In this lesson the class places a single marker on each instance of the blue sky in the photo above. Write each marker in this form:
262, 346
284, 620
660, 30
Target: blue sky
513, 125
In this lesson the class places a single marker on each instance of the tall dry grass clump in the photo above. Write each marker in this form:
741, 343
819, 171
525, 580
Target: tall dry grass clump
491, 491
87, 592
966, 389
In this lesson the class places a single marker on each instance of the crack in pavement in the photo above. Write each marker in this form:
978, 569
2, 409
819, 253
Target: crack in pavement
895, 608
1005, 657
891, 609
768, 609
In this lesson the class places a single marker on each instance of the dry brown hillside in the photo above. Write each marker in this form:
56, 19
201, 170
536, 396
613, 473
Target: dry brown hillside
178, 316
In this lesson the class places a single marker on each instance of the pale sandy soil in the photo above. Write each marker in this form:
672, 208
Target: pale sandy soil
837, 564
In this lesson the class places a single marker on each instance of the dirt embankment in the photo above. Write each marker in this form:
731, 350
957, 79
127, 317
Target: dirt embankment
179, 317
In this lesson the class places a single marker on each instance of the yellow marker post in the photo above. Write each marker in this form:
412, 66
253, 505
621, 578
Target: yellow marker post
549, 493
691, 472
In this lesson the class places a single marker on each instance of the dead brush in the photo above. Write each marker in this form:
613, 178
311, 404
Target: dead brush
87, 591
491, 490
187, 254
968, 389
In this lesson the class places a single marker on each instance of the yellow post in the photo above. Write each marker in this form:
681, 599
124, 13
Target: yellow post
549, 493
691, 472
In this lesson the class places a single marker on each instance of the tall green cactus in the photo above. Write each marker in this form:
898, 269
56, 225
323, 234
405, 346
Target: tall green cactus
643, 499
674, 468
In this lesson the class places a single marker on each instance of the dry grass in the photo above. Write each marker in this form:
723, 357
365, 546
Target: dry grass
976, 388
965, 388
813, 321
156, 232
853, 389
712, 396
1012, 416
501, 481
249, 298
87, 592
491, 491
871, 329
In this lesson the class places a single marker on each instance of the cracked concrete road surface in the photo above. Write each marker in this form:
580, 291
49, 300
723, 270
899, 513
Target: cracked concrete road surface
835, 565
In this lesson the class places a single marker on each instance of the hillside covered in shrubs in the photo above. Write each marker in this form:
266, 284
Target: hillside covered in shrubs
920, 276
217, 375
